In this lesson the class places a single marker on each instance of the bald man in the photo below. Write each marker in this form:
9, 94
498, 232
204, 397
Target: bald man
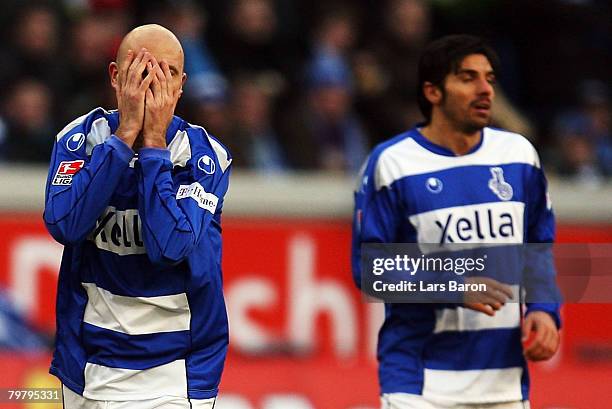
135, 196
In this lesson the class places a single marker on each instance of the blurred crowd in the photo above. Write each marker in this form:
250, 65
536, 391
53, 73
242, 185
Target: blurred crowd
294, 85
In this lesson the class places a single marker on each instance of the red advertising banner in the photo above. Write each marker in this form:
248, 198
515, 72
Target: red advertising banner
301, 336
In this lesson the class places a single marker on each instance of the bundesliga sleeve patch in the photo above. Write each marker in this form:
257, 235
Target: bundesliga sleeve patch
65, 171
205, 200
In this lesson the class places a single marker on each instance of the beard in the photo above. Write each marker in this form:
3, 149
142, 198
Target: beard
470, 125
463, 119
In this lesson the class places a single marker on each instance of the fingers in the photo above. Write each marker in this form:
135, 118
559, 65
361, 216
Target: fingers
137, 68
545, 342
159, 84
496, 293
486, 298
528, 326
146, 82
156, 85
132, 67
480, 307
504, 289
168, 78
538, 351
124, 68
166, 68
500, 291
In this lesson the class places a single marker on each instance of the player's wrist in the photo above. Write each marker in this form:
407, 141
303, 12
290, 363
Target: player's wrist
154, 139
127, 134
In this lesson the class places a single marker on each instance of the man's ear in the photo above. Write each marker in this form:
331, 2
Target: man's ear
183, 80
432, 92
113, 73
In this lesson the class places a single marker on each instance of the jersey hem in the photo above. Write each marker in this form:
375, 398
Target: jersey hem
79, 389
475, 401
445, 400
66, 381
202, 394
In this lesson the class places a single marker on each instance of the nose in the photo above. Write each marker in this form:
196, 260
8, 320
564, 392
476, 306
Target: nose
485, 87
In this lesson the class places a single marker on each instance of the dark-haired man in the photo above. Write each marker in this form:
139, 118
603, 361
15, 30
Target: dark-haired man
135, 196
433, 184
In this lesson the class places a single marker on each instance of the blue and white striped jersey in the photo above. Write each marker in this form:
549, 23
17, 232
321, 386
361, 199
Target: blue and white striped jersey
140, 308
414, 191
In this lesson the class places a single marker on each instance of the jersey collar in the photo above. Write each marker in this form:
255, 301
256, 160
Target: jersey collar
438, 149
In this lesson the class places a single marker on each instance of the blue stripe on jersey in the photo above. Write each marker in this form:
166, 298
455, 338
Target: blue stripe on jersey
149, 281
456, 191
466, 350
400, 344
118, 350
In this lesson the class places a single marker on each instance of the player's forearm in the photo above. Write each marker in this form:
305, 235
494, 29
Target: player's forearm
168, 234
71, 211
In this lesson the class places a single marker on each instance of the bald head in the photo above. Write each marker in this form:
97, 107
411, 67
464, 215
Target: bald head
158, 40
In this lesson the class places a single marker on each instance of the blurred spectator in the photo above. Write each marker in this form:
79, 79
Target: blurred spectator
188, 22
585, 135
386, 69
33, 50
334, 38
253, 141
208, 106
272, 43
251, 44
94, 39
324, 133
27, 121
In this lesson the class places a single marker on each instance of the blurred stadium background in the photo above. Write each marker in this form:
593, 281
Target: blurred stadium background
300, 91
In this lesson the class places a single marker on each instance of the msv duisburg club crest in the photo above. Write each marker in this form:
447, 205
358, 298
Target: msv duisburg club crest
499, 186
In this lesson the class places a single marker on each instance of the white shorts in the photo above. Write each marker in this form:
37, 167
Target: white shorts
75, 401
409, 401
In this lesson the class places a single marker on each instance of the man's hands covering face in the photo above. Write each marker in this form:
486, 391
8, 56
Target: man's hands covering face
160, 101
130, 90
147, 98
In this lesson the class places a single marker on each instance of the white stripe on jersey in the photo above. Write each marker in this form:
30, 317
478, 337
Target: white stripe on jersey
180, 149
118, 384
473, 386
100, 132
136, 315
222, 155
485, 223
408, 158
462, 319
75, 123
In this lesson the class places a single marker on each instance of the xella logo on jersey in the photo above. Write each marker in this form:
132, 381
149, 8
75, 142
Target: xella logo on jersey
499, 222
65, 171
119, 231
